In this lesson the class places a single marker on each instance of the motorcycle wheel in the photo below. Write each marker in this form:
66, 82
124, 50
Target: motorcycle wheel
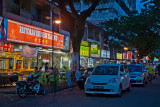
21, 92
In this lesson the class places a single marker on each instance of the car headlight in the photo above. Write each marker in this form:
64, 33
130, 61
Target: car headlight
88, 81
113, 80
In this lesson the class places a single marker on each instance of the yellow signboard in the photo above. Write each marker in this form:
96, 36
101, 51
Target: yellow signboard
119, 56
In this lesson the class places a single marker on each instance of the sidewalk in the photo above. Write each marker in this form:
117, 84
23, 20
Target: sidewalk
61, 86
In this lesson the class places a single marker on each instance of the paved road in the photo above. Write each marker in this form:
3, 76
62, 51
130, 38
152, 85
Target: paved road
148, 96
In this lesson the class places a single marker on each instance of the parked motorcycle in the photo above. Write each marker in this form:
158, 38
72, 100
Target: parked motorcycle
30, 87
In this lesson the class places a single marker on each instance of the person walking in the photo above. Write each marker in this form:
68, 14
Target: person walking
150, 72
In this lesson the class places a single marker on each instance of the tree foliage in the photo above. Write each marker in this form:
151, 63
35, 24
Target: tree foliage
140, 31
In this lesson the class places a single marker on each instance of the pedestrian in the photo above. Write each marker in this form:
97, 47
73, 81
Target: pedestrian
150, 72
51, 77
158, 69
36, 72
43, 77
40, 70
47, 72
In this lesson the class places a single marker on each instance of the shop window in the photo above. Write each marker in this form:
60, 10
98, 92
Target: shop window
33, 63
2, 64
25, 63
10, 64
18, 64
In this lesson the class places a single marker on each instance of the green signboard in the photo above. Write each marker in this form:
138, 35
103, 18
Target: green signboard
96, 55
84, 43
94, 48
84, 51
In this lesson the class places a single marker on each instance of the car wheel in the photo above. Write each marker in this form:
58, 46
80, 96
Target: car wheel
120, 91
129, 87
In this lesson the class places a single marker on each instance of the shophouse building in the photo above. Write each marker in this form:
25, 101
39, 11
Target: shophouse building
28, 27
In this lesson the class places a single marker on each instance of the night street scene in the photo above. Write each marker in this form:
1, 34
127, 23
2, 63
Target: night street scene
79, 53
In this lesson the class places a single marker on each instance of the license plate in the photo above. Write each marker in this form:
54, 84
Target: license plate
98, 87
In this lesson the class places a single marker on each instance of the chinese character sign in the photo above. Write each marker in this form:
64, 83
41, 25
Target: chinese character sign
28, 34
7, 47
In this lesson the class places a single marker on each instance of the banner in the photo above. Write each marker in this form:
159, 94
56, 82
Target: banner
103, 53
119, 56
84, 51
124, 56
29, 52
84, 43
129, 55
94, 48
3, 30
7, 47
98, 55
27, 34
66, 42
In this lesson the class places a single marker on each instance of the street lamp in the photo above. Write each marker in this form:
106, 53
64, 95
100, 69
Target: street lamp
125, 48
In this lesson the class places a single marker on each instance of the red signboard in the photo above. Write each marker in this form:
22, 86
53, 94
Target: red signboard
7, 47
31, 35
129, 55
124, 56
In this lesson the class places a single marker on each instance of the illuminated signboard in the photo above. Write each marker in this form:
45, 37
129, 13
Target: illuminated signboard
119, 56
96, 55
103, 53
84, 43
84, 51
27, 34
7, 47
108, 54
94, 48
129, 55
124, 56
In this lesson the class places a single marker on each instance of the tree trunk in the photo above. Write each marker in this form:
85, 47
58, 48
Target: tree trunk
76, 36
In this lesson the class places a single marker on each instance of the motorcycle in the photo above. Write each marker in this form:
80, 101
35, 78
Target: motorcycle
30, 87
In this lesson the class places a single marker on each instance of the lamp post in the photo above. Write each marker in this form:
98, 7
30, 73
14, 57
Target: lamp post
55, 22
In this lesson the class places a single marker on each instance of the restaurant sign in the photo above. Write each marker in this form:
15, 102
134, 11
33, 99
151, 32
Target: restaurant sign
27, 34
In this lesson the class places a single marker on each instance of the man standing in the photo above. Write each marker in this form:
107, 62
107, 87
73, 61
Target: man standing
150, 72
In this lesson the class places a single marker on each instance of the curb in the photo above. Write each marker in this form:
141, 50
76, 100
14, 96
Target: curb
15, 92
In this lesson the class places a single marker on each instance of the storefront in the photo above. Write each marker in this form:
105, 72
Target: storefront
36, 45
96, 58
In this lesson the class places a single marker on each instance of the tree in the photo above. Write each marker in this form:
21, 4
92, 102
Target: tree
139, 31
77, 31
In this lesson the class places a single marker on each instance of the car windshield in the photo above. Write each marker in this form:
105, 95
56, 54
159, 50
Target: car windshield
106, 70
134, 68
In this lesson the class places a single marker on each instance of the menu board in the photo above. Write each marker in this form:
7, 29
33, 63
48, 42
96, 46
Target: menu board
84, 51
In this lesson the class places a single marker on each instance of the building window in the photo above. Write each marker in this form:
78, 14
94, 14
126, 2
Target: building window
97, 36
13, 6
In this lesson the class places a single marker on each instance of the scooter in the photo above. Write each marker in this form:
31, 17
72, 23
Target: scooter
30, 87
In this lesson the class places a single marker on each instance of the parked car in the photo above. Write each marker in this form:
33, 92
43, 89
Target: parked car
108, 79
81, 80
137, 75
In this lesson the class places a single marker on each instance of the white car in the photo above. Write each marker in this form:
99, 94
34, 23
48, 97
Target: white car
108, 79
